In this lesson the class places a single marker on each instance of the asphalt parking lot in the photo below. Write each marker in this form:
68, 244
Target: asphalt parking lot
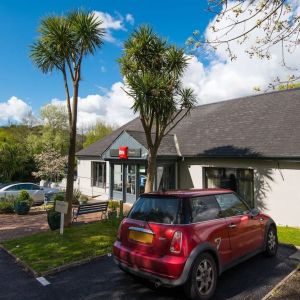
103, 280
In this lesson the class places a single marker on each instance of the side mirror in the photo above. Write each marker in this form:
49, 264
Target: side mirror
254, 212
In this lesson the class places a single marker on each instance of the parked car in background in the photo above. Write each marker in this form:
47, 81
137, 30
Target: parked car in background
37, 192
190, 237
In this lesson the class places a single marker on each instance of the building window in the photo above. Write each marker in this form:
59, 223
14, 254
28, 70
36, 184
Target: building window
131, 179
118, 177
165, 177
238, 180
142, 172
99, 174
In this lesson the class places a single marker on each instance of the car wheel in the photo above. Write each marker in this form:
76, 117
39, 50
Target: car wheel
271, 242
202, 281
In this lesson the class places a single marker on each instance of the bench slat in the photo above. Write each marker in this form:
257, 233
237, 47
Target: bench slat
90, 208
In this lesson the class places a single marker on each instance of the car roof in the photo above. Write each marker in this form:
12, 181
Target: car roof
189, 193
4, 185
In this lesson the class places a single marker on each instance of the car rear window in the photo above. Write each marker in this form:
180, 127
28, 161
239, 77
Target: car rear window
156, 209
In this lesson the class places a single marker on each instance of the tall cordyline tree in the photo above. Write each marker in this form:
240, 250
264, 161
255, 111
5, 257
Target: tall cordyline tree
152, 69
63, 43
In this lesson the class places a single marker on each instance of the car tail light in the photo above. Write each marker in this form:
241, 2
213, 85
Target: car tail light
176, 243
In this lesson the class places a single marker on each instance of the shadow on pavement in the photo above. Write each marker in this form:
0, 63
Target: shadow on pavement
103, 280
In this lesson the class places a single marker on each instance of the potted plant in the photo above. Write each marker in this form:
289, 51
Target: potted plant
23, 203
53, 217
113, 206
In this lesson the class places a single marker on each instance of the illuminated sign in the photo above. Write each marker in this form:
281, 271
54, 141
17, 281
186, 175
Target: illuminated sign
123, 152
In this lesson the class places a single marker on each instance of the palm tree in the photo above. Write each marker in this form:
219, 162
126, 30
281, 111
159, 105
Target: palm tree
63, 43
152, 69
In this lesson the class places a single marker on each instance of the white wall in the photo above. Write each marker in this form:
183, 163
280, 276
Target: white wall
84, 179
276, 184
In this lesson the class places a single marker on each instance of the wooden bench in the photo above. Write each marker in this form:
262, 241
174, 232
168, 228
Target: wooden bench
90, 208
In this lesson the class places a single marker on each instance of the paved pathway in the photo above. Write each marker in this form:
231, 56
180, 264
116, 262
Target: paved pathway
250, 280
14, 226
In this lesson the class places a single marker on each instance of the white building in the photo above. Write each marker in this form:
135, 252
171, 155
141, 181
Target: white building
250, 145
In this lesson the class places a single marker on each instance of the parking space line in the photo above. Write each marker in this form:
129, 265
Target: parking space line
43, 281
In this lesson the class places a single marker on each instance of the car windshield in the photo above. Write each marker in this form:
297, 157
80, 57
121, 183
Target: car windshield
3, 185
156, 209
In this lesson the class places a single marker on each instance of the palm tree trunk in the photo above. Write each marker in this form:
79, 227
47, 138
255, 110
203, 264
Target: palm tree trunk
152, 155
71, 157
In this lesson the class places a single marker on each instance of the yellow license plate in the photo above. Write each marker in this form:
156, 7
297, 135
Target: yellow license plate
141, 237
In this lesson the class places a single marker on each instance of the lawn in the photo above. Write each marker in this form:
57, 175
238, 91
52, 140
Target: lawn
289, 235
48, 250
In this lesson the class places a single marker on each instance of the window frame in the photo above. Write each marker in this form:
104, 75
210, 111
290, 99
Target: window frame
178, 220
95, 174
239, 198
189, 209
238, 179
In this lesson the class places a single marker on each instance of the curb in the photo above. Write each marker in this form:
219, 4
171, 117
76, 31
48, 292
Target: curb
72, 265
20, 262
290, 246
278, 285
61, 268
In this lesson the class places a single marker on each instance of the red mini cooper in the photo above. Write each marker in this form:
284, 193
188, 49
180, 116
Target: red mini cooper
190, 237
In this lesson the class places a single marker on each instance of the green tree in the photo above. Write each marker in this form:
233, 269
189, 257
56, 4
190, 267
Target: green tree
97, 132
63, 43
9, 161
55, 129
16, 162
51, 164
152, 69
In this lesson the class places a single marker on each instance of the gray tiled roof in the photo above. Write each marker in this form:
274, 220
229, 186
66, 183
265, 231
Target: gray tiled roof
265, 125
167, 146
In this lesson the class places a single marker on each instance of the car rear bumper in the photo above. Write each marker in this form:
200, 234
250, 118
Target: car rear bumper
166, 270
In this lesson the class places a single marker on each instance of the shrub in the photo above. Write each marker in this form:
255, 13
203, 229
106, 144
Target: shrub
6, 205
76, 196
59, 197
113, 205
24, 196
23, 203
83, 199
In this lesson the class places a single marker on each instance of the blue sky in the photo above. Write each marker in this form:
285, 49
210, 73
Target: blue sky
25, 88
20, 20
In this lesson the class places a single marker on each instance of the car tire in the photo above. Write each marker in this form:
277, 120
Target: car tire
203, 278
271, 242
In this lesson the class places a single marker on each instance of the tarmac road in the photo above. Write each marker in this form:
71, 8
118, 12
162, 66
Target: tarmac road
103, 280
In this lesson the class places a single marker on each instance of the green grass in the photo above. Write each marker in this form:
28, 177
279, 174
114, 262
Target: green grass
48, 250
289, 235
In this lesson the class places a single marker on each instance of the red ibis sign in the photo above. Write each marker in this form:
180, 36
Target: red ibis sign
123, 152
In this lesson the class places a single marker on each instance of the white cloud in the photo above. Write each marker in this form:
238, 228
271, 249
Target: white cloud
14, 109
220, 79
110, 23
223, 79
114, 107
130, 19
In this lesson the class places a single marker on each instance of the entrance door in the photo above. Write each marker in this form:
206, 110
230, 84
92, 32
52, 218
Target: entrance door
130, 183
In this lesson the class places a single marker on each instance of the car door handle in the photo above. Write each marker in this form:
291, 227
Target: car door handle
232, 225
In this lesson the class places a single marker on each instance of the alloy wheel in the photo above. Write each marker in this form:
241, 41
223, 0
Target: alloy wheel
271, 240
205, 277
